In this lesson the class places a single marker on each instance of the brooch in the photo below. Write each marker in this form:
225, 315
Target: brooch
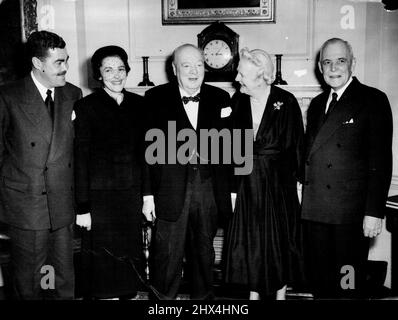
277, 105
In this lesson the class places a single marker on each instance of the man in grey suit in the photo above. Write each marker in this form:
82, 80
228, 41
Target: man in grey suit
347, 174
36, 187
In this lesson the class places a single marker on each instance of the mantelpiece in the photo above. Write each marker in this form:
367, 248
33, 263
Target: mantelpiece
303, 93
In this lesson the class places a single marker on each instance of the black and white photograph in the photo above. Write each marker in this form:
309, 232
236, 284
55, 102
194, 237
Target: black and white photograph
198, 155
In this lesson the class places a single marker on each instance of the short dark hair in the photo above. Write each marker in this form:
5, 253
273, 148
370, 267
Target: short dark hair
105, 52
39, 42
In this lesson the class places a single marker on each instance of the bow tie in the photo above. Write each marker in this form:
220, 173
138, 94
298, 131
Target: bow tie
187, 99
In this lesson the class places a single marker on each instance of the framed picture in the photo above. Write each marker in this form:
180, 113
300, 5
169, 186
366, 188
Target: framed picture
17, 21
28, 17
207, 11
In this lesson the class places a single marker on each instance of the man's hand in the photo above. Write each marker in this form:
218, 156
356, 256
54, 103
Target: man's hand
371, 226
84, 221
148, 208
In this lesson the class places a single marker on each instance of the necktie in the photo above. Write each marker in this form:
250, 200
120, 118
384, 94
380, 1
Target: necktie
194, 99
332, 103
50, 104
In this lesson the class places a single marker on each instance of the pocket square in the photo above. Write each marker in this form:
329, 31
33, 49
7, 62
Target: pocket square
349, 121
225, 112
73, 117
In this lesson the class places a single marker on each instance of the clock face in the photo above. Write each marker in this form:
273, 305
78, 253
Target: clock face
217, 53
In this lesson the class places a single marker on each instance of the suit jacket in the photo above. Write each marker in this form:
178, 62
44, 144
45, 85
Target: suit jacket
348, 158
108, 145
167, 182
36, 168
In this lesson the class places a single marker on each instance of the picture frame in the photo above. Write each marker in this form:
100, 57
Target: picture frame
28, 18
17, 21
227, 11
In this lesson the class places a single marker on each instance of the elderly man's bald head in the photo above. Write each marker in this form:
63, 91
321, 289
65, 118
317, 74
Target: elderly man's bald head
183, 48
188, 67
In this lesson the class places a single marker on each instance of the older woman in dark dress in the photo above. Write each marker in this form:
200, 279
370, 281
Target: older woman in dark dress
108, 156
262, 241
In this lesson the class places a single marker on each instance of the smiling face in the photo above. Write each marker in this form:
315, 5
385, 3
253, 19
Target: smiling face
51, 70
189, 68
250, 77
336, 64
113, 74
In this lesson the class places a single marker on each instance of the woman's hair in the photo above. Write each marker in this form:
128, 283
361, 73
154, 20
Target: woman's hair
262, 61
105, 52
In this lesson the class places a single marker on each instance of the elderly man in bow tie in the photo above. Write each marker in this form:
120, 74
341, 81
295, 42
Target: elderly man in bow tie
188, 196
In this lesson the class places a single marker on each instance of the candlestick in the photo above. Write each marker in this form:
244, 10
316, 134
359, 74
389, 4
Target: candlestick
278, 75
145, 77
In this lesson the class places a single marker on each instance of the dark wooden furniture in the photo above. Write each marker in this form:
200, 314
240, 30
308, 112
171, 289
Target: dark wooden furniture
392, 226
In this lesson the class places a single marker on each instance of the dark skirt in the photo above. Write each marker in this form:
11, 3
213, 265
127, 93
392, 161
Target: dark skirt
259, 248
112, 252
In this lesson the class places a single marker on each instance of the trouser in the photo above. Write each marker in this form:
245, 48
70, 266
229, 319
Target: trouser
42, 263
336, 257
192, 234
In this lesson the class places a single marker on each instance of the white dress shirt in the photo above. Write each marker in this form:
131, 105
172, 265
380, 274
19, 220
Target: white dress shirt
339, 94
191, 108
42, 89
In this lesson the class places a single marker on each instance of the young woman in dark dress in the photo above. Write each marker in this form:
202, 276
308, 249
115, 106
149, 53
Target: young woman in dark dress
108, 157
261, 244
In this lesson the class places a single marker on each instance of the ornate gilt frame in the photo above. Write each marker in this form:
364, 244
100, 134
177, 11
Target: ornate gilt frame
172, 14
28, 17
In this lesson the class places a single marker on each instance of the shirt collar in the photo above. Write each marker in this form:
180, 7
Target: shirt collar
341, 90
117, 96
186, 94
42, 89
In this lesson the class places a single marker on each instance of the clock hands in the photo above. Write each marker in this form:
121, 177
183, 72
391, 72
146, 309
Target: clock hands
218, 52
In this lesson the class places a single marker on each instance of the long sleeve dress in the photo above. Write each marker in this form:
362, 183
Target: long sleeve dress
108, 158
262, 244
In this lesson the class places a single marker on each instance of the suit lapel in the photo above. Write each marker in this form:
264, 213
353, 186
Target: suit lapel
59, 130
242, 112
345, 109
62, 121
181, 115
202, 110
320, 113
33, 106
265, 119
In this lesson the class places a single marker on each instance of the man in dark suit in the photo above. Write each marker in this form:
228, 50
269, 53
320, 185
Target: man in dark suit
36, 194
347, 174
190, 196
